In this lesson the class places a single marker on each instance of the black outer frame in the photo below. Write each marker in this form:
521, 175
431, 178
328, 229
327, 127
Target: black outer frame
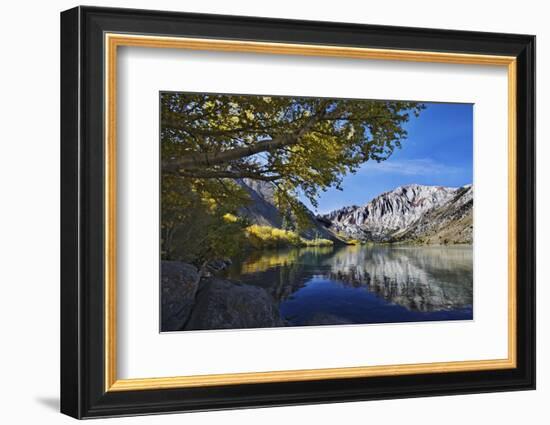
82, 206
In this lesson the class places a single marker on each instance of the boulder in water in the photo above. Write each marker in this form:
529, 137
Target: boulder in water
179, 282
223, 304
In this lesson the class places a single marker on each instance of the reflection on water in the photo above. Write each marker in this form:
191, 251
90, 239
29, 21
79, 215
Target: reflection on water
363, 284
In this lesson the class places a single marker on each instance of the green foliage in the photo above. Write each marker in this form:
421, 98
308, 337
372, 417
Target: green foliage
197, 224
302, 146
288, 223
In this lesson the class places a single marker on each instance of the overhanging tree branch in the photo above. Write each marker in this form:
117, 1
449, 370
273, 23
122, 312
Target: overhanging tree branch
207, 159
221, 174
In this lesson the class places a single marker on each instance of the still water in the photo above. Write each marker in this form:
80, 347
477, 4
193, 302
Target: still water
363, 284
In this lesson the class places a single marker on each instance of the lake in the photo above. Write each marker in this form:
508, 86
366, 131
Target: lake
363, 283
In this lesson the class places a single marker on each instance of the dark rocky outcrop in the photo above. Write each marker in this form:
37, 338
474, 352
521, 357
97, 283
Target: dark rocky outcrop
179, 283
223, 304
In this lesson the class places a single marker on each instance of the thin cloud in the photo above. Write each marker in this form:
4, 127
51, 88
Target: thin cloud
411, 167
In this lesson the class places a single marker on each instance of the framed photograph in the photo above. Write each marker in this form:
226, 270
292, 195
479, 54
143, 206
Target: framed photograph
261, 212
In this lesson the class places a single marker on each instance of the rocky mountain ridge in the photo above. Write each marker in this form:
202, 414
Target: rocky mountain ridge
411, 213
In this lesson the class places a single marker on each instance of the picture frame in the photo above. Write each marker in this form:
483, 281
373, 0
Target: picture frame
90, 40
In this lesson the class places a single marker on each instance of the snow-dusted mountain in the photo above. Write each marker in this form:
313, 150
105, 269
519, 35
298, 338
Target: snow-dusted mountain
428, 214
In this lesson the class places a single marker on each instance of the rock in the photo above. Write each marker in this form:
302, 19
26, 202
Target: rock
222, 304
216, 266
450, 223
261, 209
412, 213
179, 282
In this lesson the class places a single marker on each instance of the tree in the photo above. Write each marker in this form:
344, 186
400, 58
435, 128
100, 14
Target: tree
197, 222
300, 145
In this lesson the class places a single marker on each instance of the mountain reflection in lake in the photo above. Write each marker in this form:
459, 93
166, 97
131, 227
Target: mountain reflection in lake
363, 284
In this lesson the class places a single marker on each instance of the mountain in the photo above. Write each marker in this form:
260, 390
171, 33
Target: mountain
262, 210
451, 222
412, 213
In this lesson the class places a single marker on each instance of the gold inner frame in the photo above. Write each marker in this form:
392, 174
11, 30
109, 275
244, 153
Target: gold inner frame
113, 41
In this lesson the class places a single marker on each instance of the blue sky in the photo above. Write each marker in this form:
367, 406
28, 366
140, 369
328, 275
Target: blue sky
438, 151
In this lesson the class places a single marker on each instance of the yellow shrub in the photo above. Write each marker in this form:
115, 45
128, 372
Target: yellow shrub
317, 242
230, 218
272, 237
